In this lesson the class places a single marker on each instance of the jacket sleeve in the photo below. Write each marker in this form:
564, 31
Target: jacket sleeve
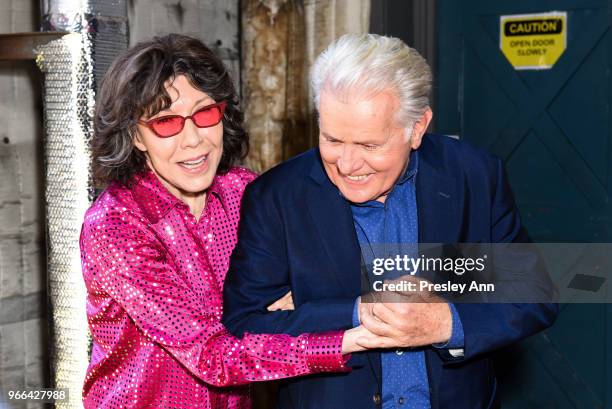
129, 264
259, 275
489, 326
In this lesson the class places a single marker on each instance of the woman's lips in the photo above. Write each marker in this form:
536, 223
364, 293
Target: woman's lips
195, 165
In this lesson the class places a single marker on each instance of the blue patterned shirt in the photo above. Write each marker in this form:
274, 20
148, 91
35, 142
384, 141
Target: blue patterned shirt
385, 230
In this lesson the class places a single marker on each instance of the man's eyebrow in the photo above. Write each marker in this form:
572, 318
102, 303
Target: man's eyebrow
328, 136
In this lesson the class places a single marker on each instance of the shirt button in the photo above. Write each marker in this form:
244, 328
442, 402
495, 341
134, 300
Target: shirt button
376, 398
401, 401
399, 352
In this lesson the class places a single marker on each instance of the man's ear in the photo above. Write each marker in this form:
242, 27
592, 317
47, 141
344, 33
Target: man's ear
137, 140
419, 129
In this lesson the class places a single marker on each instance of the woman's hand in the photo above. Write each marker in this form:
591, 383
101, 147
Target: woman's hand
351, 342
283, 304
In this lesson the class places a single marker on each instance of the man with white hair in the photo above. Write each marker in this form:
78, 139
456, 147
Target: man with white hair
377, 180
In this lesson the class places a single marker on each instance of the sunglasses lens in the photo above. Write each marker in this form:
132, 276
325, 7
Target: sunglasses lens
209, 116
167, 126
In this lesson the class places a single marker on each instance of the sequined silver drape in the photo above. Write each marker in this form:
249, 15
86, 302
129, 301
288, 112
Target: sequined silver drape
72, 65
68, 102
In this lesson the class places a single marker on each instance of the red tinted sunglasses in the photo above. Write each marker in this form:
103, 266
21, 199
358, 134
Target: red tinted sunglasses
170, 125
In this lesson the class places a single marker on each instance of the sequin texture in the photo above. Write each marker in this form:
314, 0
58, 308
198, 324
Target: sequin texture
154, 279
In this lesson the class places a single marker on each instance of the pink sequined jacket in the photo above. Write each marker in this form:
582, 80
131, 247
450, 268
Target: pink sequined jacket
154, 278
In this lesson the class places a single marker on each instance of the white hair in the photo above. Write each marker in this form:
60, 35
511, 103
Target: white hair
369, 64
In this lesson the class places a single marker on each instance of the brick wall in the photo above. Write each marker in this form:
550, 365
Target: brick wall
23, 325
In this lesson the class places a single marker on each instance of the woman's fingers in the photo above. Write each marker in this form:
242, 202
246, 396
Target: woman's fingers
360, 338
368, 340
375, 342
289, 305
284, 303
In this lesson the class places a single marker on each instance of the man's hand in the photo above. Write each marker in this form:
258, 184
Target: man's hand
405, 319
285, 303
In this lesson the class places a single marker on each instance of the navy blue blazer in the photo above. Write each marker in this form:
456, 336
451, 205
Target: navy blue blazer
296, 233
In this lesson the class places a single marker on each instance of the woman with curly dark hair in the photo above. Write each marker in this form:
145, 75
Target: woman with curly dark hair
156, 243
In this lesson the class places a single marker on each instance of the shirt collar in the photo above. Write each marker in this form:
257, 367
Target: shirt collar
217, 190
411, 169
156, 201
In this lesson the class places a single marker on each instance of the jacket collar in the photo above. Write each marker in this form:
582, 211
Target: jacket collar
440, 197
317, 171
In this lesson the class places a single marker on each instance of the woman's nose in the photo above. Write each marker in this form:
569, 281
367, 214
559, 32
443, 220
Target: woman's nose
191, 135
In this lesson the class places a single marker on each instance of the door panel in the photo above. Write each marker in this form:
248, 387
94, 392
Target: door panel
552, 128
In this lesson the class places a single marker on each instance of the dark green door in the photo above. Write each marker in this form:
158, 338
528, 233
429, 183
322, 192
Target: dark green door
552, 128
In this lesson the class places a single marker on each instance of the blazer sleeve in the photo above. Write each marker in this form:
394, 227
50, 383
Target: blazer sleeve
131, 267
259, 274
489, 326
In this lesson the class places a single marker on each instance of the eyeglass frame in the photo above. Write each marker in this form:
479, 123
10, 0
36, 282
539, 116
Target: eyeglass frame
221, 105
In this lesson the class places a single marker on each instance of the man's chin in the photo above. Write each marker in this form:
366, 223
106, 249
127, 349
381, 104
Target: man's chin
355, 197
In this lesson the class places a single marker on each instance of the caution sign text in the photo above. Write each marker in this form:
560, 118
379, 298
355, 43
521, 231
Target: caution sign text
533, 41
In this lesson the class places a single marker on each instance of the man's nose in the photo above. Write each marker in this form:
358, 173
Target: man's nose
349, 160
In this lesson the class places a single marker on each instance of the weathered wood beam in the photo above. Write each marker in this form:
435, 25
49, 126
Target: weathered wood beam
21, 46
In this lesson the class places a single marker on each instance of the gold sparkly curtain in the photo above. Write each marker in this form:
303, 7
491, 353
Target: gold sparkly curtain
280, 40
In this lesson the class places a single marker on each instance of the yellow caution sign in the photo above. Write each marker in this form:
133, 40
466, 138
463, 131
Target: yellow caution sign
533, 41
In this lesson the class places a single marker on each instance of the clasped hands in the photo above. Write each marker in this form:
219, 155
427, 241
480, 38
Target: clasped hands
402, 319
394, 319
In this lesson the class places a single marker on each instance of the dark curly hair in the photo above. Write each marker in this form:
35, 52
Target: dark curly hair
134, 85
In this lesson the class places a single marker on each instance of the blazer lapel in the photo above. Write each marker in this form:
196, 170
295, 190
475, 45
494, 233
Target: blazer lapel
331, 216
439, 203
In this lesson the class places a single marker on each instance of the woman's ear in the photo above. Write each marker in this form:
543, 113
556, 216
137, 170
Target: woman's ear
420, 127
138, 143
